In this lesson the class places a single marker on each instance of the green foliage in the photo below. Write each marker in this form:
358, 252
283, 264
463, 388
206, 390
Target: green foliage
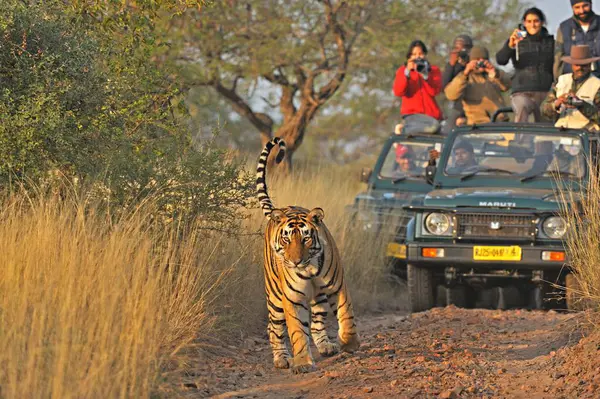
372, 108
84, 94
242, 42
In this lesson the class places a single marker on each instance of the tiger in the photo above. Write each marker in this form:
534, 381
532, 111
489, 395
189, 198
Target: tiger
303, 274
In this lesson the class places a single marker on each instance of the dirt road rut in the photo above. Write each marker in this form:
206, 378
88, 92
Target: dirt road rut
442, 353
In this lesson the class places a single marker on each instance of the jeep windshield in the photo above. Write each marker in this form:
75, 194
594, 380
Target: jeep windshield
523, 156
406, 160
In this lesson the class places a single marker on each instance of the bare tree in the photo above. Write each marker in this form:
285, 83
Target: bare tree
302, 48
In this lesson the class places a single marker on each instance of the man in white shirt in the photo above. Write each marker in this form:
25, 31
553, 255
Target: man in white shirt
574, 100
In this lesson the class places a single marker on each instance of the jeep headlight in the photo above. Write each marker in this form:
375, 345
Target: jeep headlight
438, 223
555, 227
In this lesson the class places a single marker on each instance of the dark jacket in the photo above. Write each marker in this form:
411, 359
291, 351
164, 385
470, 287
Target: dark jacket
533, 69
450, 71
569, 34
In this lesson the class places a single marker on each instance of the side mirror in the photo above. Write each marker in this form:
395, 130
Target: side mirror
430, 173
365, 175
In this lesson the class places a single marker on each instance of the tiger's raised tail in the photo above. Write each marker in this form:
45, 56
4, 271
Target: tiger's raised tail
261, 174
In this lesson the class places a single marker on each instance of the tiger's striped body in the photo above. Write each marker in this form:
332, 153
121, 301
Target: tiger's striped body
303, 276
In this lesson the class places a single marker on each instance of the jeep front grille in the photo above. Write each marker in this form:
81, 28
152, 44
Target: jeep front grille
485, 225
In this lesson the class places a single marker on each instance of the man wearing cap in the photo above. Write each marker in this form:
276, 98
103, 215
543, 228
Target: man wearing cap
464, 157
573, 101
457, 60
479, 87
582, 28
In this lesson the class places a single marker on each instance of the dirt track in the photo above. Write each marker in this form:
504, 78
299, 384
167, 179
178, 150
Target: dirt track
443, 353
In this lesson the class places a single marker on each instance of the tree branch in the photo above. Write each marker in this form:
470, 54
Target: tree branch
278, 78
344, 48
262, 122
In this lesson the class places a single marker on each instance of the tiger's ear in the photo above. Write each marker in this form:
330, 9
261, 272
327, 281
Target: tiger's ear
277, 215
316, 216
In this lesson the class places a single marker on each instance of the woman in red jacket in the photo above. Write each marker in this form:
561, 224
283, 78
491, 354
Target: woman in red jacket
418, 82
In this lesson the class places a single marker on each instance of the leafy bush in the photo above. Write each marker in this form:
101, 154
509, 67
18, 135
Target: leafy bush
83, 96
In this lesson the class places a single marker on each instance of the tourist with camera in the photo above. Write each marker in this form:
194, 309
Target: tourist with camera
457, 59
479, 87
574, 100
531, 50
418, 82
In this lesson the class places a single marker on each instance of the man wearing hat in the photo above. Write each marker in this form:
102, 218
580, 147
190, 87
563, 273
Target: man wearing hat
575, 98
479, 87
582, 28
457, 60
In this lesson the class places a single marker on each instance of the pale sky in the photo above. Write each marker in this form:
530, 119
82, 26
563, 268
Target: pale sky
557, 11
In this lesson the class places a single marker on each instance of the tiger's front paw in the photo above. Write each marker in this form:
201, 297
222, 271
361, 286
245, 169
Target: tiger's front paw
350, 342
303, 363
328, 349
303, 368
282, 362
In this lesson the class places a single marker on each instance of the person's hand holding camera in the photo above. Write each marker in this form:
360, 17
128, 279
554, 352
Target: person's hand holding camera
480, 65
565, 101
573, 101
515, 38
489, 68
455, 54
470, 67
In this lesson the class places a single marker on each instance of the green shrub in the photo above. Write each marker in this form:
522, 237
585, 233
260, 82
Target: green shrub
83, 96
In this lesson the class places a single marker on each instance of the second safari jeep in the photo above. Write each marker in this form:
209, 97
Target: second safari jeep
391, 186
493, 218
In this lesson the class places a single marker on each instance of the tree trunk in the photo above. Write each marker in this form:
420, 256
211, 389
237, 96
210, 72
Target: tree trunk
292, 132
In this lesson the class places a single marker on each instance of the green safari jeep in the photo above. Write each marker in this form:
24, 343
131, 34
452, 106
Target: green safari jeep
397, 179
492, 221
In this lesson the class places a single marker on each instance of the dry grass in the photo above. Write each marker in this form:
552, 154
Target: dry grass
583, 241
92, 309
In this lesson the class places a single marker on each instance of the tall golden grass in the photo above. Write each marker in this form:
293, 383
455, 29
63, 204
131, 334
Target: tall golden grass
91, 309
581, 209
94, 308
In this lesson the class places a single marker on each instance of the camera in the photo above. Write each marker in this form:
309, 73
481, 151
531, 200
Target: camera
464, 55
480, 64
574, 101
522, 32
422, 65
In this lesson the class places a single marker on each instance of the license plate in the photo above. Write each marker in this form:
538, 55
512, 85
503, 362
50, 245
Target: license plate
512, 253
395, 250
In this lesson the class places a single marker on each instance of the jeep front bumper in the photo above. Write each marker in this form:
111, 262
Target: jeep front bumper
438, 255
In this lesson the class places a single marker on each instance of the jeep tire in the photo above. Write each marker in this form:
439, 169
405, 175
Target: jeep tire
421, 286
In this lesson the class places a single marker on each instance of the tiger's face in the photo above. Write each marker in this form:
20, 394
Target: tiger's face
297, 237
